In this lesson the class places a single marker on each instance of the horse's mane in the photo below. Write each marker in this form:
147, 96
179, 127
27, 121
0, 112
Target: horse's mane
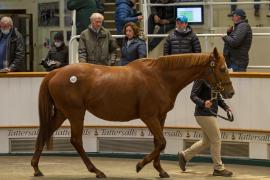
179, 61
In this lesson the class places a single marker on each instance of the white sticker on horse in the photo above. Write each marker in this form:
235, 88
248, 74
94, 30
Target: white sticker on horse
73, 79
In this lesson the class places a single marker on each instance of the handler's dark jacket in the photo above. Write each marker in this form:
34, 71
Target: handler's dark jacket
201, 91
237, 44
15, 53
180, 42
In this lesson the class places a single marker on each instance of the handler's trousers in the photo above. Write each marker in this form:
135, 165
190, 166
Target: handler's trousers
211, 137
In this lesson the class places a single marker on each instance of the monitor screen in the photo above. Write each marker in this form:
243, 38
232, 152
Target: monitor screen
193, 13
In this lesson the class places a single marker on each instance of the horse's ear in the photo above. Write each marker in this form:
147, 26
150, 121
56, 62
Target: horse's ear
215, 53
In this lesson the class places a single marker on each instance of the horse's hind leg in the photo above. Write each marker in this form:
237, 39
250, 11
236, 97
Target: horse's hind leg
56, 122
35, 159
76, 141
160, 143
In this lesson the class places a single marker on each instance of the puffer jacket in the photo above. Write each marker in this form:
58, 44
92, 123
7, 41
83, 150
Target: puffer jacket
84, 9
238, 43
180, 42
97, 48
135, 50
15, 54
124, 13
201, 92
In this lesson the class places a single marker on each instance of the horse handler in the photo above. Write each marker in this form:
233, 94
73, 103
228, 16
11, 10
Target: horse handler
205, 106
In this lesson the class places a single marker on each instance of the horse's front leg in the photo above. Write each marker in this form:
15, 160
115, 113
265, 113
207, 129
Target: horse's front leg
156, 162
160, 144
157, 165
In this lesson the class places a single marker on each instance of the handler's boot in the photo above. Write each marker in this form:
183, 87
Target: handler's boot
182, 161
225, 173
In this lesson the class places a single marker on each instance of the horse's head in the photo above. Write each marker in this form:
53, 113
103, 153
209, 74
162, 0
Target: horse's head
219, 75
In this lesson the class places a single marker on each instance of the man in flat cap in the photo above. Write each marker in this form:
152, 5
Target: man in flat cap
237, 42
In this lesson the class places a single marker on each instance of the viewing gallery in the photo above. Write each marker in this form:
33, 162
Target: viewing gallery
244, 130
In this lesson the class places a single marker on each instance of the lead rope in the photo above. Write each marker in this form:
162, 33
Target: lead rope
214, 95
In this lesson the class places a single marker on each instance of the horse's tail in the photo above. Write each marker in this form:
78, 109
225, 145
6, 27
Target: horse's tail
45, 106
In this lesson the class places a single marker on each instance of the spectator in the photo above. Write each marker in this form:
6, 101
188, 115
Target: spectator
201, 96
96, 44
12, 48
125, 12
256, 8
162, 16
182, 39
133, 47
100, 6
58, 55
84, 9
237, 42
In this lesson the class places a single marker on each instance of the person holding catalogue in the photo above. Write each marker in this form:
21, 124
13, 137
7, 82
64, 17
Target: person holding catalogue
58, 54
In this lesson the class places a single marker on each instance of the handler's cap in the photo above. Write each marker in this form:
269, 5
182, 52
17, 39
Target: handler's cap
182, 19
240, 12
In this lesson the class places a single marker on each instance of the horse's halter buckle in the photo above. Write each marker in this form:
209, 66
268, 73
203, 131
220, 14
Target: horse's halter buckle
214, 94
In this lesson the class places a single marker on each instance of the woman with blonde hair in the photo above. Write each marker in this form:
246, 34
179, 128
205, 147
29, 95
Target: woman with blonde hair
133, 46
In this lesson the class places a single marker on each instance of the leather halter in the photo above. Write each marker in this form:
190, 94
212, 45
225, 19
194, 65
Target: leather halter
218, 87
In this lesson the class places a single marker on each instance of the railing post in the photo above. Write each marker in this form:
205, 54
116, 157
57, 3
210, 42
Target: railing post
70, 48
145, 22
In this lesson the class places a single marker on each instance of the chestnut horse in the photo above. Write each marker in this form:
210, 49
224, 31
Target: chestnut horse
144, 89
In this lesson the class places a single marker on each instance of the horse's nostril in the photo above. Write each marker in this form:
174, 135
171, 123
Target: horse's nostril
232, 93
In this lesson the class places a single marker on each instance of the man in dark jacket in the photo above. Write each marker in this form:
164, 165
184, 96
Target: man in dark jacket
237, 42
201, 96
84, 9
12, 48
182, 39
164, 17
125, 12
58, 55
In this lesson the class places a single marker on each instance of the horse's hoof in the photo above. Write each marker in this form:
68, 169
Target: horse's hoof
164, 175
138, 167
38, 173
101, 175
